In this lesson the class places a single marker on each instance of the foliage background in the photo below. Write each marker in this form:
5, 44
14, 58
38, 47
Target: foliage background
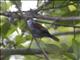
69, 46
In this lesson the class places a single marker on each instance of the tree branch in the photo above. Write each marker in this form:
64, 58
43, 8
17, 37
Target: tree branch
77, 18
66, 33
20, 51
28, 14
27, 51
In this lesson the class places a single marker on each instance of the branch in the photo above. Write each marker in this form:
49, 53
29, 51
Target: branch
66, 25
27, 51
20, 51
58, 24
72, 18
66, 33
28, 14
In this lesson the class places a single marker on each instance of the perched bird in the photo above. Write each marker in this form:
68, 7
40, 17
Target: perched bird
39, 31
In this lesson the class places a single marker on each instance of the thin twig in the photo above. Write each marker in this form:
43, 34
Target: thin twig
44, 53
30, 43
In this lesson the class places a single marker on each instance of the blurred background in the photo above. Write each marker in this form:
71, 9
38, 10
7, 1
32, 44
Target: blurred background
14, 32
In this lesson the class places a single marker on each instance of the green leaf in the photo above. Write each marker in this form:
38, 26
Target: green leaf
4, 6
20, 39
4, 29
76, 47
11, 30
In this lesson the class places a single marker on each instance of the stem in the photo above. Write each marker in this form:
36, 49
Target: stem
30, 43
44, 53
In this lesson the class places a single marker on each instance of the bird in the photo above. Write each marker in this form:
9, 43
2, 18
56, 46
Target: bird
38, 31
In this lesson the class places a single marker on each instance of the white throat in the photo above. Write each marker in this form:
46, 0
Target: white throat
30, 22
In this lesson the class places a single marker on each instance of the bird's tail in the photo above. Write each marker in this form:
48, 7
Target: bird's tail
54, 38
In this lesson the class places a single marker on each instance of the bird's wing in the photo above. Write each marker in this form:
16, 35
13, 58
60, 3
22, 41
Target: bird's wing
38, 26
41, 29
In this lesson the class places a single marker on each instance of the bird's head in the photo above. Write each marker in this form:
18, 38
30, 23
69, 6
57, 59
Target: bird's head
29, 21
